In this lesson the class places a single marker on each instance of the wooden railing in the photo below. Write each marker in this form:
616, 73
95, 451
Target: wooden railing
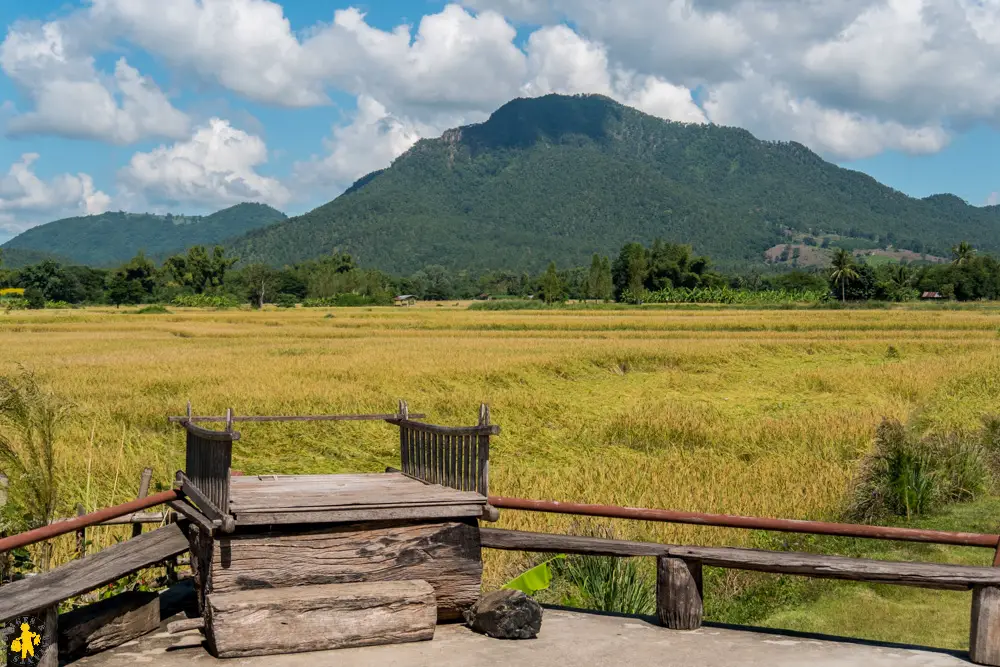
457, 457
679, 583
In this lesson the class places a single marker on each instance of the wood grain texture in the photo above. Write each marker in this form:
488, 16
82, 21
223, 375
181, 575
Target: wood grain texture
445, 554
108, 623
85, 574
316, 618
984, 632
679, 593
208, 461
343, 515
927, 575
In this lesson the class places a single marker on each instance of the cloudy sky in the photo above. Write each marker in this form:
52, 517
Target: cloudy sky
193, 105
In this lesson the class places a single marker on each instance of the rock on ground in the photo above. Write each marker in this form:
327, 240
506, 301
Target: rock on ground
505, 614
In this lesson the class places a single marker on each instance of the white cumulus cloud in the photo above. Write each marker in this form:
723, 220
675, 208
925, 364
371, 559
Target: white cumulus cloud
27, 200
368, 143
215, 167
71, 98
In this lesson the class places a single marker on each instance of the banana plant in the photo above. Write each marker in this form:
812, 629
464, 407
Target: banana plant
536, 579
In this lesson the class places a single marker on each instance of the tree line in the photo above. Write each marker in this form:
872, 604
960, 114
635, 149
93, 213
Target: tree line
213, 276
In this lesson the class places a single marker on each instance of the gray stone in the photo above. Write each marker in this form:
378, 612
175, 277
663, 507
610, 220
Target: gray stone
505, 614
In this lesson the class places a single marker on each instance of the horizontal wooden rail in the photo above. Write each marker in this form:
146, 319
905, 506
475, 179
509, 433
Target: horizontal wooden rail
482, 429
92, 519
294, 418
750, 522
151, 517
925, 575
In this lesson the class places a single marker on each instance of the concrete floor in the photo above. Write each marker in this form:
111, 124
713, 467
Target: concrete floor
567, 638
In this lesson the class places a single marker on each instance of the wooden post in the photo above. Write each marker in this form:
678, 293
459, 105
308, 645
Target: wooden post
679, 593
50, 637
5, 556
984, 632
147, 476
81, 534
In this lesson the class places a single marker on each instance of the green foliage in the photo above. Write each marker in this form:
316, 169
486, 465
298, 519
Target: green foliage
843, 269
34, 298
111, 239
198, 270
205, 301
153, 309
285, 300
536, 579
30, 418
552, 285
908, 476
727, 295
579, 175
347, 300
608, 583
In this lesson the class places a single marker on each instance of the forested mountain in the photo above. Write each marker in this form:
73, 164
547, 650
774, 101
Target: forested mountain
110, 239
561, 177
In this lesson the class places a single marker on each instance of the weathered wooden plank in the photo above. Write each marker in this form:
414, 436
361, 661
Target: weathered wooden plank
296, 418
108, 623
354, 515
482, 473
446, 554
209, 461
421, 427
516, 540
929, 575
317, 618
292, 503
185, 624
679, 593
85, 574
984, 632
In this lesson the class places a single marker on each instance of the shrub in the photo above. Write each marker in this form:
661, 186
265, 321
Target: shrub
286, 301
152, 309
30, 417
58, 305
35, 298
907, 476
608, 583
346, 300
205, 301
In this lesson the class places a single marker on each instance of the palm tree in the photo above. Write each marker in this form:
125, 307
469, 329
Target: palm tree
842, 269
962, 253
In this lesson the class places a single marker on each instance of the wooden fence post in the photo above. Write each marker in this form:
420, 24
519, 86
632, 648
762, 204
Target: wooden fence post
81, 533
679, 593
5, 556
147, 476
984, 631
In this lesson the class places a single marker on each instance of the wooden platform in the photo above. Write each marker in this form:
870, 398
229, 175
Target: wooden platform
290, 499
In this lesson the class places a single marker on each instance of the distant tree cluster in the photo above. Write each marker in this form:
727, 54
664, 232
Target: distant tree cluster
203, 276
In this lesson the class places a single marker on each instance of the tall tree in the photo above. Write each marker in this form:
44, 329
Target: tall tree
605, 284
843, 269
199, 270
552, 286
631, 269
261, 281
594, 278
962, 254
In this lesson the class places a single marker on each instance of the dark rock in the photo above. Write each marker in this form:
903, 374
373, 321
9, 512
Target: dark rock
505, 614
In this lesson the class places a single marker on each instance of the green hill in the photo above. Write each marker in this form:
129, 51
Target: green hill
560, 177
112, 238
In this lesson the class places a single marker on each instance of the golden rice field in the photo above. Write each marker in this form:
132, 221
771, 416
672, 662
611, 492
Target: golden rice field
737, 411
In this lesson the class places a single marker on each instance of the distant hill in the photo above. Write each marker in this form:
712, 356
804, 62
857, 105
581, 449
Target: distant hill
15, 258
112, 238
558, 178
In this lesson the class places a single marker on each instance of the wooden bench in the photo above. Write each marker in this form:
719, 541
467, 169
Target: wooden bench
679, 591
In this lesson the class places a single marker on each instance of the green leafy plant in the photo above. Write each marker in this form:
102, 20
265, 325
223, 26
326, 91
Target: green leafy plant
536, 579
30, 417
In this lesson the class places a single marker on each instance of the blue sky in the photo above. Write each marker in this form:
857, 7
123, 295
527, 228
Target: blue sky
195, 105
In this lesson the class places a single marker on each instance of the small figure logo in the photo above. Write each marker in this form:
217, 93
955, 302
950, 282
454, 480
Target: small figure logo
25, 642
